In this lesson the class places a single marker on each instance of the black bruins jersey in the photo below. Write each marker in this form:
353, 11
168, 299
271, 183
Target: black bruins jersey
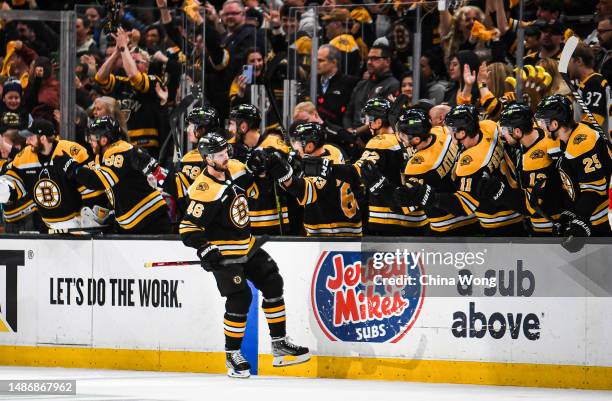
387, 154
140, 104
585, 173
218, 212
330, 206
593, 92
538, 170
433, 166
263, 207
188, 168
134, 201
487, 156
57, 198
19, 209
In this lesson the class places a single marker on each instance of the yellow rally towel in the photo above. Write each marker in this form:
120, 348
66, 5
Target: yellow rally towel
481, 32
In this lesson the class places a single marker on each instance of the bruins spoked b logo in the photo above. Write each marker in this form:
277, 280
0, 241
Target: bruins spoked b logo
239, 211
47, 193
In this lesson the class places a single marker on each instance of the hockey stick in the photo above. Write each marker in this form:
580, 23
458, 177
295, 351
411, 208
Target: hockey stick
566, 55
243, 259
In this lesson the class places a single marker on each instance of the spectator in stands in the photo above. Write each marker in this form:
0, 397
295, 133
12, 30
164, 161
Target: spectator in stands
335, 88
17, 61
240, 90
108, 106
604, 36
456, 29
153, 38
43, 86
380, 83
27, 35
337, 31
551, 43
462, 63
85, 43
13, 114
240, 36
93, 16
558, 85
141, 95
432, 74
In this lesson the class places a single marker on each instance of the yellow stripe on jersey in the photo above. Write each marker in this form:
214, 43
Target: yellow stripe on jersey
141, 210
468, 203
450, 222
500, 219
600, 214
13, 215
234, 247
599, 187
60, 219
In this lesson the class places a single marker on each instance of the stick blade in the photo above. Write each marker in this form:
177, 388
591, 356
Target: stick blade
566, 54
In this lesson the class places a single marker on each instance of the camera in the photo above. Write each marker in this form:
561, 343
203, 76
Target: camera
112, 21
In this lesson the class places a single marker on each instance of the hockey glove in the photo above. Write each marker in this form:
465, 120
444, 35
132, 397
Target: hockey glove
576, 232
562, 225
256, 163
415, 195
209, 257
278, 167
316, 167
374, 180
67, 164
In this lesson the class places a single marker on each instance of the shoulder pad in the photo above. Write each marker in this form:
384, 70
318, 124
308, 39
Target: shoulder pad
117, 147
204, 189
274, 141
334, 154
384, 142
430, 159
538, 156
581, 141
236, 168
473, 159
26, 159
192, 156
73, 149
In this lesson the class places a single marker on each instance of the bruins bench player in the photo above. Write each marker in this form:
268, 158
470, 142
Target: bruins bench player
480, 187
204, 120
37, 172
537, 171
217, 224
265, 200
121, 170
432, 163
330, 206
584, 167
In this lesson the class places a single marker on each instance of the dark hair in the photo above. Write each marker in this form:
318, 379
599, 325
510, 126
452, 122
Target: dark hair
385, 51
250, 51
85, 20
585, 53
290, 12
550, 5
435, 56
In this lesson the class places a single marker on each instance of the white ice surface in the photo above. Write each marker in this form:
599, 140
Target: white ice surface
114, 385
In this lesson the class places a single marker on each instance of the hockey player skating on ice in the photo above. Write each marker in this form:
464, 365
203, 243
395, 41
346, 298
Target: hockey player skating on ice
217, 224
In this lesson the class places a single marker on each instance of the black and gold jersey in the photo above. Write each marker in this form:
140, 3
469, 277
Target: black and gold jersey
433, 166
35, 177
218, 212
387, 154
485, 157
585, 174
19, 209
140, 105
265, 198
134, 201
593, 92
330, 206
188, 168
538, 170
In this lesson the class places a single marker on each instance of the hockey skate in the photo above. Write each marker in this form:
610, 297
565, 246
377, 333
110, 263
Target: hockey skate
286, 353
237, 366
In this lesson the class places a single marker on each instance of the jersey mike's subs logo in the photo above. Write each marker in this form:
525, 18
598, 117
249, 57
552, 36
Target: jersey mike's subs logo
354, 302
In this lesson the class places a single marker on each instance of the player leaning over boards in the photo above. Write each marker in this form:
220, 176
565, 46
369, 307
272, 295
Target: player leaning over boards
478, 178
432, 162
121, 170
584, 167
217, 224
538, 175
